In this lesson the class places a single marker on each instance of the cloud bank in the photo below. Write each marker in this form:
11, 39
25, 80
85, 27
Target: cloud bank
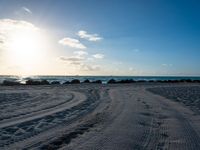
79, 61
80, 58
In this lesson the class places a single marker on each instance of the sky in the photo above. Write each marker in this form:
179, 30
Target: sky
100, 37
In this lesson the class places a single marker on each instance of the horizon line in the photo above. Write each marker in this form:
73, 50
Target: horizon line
108, 75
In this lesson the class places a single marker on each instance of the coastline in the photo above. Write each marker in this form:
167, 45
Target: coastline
104, 79
11, 82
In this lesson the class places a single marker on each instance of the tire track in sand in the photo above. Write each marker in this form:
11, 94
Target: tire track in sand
176, 126
16, 129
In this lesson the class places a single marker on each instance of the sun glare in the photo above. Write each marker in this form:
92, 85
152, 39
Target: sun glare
26, 50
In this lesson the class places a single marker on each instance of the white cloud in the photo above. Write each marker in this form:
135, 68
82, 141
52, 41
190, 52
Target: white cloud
23, 11
98, 56
10, 24
74, 43
90, 37
167, 65
10, 27
81, 53
79, 56
71, 59
27, 10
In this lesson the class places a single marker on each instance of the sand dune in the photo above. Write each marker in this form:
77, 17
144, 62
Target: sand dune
97, 116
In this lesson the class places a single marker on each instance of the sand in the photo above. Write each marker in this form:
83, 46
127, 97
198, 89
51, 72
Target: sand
98, 116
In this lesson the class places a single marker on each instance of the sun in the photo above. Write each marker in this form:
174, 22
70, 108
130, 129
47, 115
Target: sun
26, 50
25, 47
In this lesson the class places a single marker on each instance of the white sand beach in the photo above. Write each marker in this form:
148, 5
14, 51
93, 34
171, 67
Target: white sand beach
100, 116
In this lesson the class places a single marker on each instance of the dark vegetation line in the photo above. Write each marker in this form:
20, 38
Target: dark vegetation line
111, 81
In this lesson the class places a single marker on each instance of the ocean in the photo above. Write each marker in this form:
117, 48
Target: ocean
104, 79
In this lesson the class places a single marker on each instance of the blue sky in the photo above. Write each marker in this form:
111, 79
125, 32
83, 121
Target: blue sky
137, 37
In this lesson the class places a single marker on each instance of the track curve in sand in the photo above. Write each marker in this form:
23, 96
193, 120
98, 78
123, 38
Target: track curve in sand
61, 105
74, 100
